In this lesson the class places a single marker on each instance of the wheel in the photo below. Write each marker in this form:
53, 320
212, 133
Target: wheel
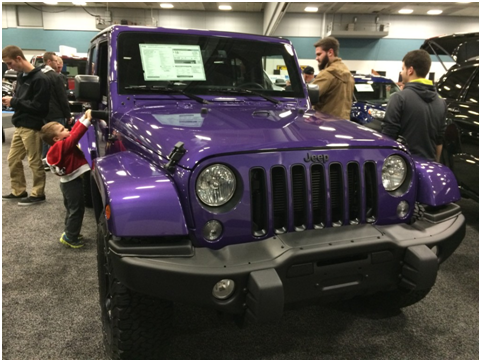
252, 84
396, 299
135, 326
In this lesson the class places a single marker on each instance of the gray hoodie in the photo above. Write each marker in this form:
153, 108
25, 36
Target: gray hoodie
418, 114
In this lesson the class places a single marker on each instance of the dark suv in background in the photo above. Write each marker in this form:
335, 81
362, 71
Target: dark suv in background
370, 98
460, 87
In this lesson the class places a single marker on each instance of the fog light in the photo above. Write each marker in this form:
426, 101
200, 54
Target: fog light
223, 289
212, 230
402, 209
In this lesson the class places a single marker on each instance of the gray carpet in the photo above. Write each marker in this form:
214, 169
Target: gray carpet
50, 308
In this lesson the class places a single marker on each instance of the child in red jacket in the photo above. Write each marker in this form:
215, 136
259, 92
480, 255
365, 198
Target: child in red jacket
67, 161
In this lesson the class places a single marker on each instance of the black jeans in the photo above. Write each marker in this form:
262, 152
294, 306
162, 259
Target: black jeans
74, 204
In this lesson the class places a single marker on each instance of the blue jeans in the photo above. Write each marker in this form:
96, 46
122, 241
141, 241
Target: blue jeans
46, 147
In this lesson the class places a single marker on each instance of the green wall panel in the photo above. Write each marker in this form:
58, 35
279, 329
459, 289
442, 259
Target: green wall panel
363, 49
47, 39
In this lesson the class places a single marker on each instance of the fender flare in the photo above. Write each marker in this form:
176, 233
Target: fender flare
143, 198
433, 176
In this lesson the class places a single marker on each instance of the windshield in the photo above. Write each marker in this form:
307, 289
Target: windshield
375, 92
205, 65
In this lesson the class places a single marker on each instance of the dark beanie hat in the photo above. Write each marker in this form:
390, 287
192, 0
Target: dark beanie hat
309, 70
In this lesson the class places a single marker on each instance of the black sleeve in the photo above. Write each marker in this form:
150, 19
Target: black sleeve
61, 95
442, 126
391, 124
39, 104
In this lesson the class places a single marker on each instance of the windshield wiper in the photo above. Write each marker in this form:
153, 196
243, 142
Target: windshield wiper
167, 90
236, 90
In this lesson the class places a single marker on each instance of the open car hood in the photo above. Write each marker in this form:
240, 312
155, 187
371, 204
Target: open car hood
459, 46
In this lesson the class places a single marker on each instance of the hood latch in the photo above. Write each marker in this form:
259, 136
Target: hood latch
176, 154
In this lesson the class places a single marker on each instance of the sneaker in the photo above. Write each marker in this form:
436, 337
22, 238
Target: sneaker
11, 196
46, 168
74, 244
32, 200
80, 238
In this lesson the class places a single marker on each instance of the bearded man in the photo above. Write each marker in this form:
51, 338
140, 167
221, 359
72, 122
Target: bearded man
335, 81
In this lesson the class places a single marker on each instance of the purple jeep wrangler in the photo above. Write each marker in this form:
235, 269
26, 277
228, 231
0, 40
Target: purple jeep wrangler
214, 186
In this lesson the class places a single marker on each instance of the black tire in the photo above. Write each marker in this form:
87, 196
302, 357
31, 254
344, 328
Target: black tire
396, 299
135, 326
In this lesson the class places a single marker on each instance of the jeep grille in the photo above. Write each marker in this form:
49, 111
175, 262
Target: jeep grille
315, 197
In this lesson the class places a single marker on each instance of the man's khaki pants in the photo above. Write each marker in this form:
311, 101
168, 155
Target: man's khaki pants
26, 142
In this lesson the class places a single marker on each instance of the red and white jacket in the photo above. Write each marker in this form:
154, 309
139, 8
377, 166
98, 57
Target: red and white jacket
64, 157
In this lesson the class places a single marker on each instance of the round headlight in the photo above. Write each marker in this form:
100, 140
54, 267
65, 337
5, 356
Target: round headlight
394, 172
215, 185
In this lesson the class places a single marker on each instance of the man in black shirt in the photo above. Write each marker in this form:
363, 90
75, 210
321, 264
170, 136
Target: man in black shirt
31, 106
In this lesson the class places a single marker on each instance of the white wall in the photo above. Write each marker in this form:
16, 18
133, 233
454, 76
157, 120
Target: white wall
78, 19
9, 16
400, 27
73, 19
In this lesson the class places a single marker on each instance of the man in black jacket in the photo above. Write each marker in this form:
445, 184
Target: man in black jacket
31, 105
417, 112
59, 109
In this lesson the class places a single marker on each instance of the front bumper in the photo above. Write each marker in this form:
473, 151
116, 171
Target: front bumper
300, 267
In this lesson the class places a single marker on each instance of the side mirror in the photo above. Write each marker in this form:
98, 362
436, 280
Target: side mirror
87, 88
100, 114
313, 93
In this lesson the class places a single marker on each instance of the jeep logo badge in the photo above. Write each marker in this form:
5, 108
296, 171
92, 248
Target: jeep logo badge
323, 158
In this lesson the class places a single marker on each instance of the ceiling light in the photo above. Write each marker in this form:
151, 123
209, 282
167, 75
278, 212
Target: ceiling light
79, 3
405, 11
311, 9
434, 12
224, 7
51, 2
166, 6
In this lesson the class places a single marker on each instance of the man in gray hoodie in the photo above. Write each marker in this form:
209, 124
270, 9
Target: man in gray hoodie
417, 112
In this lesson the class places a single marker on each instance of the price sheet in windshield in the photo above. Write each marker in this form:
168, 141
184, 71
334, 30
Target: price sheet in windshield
171, 62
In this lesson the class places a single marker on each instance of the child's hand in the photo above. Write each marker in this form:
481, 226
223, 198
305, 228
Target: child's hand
88, 115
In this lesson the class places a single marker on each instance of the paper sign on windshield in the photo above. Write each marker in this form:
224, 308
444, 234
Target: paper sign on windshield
362, 87
171, 62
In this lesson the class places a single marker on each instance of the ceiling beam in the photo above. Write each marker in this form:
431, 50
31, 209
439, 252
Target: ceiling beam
335, 7
394, 8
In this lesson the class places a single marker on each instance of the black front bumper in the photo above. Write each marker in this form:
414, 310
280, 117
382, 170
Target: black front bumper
299, 267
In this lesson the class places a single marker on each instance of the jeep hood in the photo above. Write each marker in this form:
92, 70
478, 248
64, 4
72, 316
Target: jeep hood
237, 129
